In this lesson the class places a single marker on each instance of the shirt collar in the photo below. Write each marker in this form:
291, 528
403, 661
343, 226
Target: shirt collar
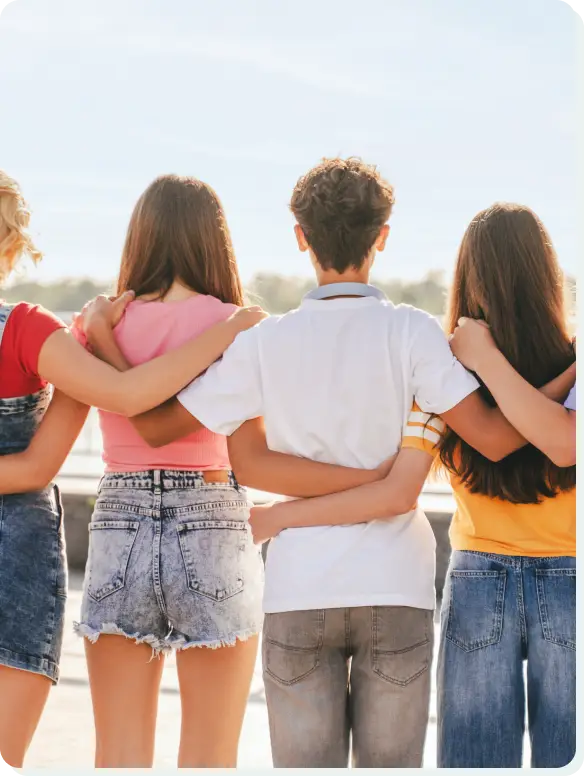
345, 289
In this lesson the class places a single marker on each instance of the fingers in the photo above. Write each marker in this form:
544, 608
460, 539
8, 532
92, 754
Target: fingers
465, 321
123, 301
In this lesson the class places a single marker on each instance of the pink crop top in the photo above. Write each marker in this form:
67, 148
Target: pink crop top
148, 330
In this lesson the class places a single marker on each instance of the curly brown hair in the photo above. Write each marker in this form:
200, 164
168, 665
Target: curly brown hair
341, 206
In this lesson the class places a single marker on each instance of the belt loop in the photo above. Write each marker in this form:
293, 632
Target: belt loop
156, 474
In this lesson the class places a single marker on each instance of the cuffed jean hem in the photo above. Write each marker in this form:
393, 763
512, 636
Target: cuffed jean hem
31, 663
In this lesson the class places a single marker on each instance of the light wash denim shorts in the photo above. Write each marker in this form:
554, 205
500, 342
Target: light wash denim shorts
171, 562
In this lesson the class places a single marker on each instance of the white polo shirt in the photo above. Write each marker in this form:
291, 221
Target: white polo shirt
335, 381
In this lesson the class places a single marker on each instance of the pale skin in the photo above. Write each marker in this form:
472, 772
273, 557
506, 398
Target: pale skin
81, 379
547, 425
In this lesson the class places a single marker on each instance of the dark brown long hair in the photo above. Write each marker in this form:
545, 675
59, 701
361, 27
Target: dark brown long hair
507, 274
178, 231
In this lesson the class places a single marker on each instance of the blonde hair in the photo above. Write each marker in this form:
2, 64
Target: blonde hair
15, 240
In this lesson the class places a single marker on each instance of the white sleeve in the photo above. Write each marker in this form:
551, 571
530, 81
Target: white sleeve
440, 382
229, 393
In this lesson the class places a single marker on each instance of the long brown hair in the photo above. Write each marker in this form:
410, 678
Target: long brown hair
178, 231
507, 274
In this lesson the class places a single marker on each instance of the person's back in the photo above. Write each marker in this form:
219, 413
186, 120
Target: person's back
342, 394
510, 591
171, 562
335, 382
147, 330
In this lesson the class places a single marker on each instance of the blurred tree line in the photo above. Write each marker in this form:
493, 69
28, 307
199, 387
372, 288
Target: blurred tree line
276, 293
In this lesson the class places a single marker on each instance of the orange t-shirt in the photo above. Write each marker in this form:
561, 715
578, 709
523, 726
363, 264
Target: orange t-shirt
492, 525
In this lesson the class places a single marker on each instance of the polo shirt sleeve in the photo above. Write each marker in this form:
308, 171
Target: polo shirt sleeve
439, 380
570, 403
229, 393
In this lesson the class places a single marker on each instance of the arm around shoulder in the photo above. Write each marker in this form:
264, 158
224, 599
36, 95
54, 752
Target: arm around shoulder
36, 467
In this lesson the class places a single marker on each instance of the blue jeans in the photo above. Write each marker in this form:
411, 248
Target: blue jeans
499, 611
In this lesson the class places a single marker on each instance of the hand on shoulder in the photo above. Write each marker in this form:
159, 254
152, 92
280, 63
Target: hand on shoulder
246, 317
102, 313
471, 341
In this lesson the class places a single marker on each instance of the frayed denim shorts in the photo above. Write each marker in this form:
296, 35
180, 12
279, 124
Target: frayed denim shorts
171, 562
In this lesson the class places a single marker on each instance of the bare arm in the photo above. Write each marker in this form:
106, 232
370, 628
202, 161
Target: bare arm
252, 461
484, 428
544, 423
395, 495
256, 466
488, 429
66, 364
161, 425
40, 463
547, 425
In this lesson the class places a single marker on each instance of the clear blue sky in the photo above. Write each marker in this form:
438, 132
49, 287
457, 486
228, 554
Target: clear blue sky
459, 102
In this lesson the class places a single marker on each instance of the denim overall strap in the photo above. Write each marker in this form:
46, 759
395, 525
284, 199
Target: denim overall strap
5, 310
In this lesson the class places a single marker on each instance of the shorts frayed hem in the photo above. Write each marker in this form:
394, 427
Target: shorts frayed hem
35, 665
158, 645
111, 629
181, 644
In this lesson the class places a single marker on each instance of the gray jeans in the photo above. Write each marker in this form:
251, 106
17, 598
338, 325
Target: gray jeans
348, 678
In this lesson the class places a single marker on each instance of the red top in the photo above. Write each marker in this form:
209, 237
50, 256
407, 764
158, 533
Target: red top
25, 333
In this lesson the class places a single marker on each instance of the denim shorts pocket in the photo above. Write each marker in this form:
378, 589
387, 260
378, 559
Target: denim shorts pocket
292, 642
110, 545
213, 555
556, 599
476, 602
401, 642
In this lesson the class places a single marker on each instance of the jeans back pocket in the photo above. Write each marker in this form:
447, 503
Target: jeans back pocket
475, 602
110, 545
292, 642
556, 598
402, 639
213, 554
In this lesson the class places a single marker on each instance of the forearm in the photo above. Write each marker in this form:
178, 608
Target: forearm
395, 495
150, 384
289, 475
544, 423
159, 426
34, 468
559, 388
359, 505
107, 349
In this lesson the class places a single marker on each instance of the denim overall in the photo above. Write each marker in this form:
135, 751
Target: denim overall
33, 569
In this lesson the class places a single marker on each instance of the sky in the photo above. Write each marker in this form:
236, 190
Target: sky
459, 103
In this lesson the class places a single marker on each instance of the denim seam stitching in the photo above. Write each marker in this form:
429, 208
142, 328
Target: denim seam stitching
496, 631
376, 652
97, 599
543, 613
316, 653
229, 592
